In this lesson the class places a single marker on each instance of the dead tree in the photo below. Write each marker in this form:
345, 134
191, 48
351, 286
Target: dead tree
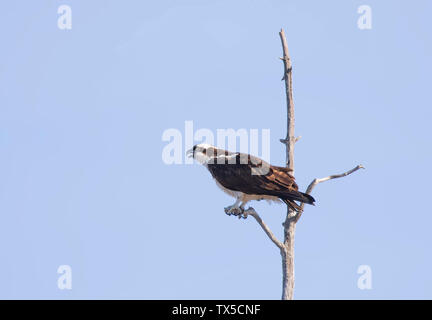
286, 246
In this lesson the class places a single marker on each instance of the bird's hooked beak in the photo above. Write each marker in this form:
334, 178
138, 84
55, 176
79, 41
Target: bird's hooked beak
190, 153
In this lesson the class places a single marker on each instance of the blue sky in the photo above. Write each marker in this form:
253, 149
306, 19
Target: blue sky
82, 181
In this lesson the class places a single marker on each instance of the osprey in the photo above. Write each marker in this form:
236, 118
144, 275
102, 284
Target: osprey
247, 178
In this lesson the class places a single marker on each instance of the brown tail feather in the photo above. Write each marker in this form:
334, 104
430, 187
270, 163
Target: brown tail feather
300, 196
292, 205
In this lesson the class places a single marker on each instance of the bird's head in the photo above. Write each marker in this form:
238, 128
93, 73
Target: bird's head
202, 152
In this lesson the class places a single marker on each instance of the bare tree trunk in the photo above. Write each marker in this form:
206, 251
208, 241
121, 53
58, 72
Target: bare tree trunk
289, 141
289, 226
287, 254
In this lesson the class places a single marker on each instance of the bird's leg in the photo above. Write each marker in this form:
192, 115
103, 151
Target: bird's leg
242, 208
234, 209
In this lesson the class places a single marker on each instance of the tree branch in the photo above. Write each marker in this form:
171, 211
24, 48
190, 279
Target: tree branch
251, 212
317, 181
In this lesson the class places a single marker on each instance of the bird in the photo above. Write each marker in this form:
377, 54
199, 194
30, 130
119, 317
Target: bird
246, 177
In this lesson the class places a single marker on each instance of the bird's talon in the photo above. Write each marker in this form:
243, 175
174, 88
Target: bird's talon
236, 211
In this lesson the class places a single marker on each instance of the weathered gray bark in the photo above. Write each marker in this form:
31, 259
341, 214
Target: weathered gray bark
288, 259
289, 141
289, 224
287, 246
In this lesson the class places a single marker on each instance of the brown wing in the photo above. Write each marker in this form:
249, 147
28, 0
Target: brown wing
238, 177
278, 179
